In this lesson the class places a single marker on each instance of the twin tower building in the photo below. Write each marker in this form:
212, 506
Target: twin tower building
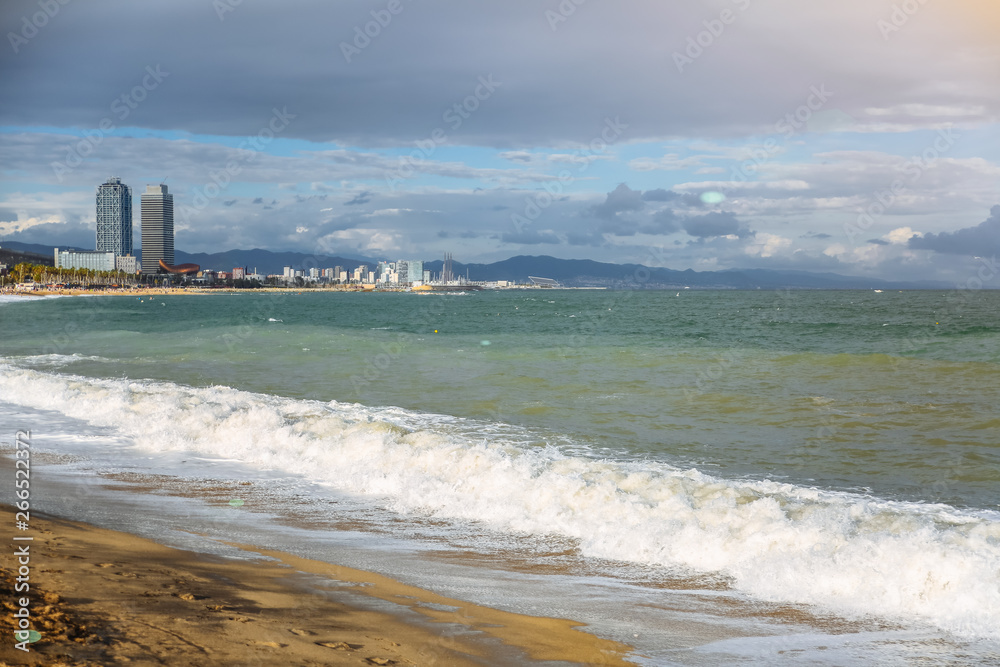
114, 223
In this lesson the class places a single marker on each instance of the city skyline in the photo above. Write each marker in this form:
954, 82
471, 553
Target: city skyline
859, 139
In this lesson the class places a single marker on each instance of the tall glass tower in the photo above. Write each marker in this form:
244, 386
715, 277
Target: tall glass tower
114, 217
157, 228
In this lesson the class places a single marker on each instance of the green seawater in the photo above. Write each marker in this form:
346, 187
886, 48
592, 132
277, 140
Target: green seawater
895, 394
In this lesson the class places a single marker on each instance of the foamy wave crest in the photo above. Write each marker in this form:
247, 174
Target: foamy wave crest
18, 298
779, 542
59, 359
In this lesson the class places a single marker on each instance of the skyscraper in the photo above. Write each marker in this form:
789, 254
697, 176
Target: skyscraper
157, 228
114, 217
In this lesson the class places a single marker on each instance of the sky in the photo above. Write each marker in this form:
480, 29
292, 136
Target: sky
860, 137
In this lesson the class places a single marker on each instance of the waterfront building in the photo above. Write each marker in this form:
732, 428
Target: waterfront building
93, 260
114, 217
414, 271
157, 228
127, 264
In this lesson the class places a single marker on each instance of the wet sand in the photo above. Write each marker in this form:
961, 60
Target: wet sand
101, 597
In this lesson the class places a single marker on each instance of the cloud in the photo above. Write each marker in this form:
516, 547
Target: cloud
437, 53
585, 239
659, 195
360, 198
981, 240
61, 234
713, 224
766, 245
530, 237
621, 199
900, 236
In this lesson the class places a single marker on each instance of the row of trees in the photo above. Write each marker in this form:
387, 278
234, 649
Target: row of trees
40, 273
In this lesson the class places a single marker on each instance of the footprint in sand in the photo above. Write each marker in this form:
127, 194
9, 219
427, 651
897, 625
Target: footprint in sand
191, 596
340, 646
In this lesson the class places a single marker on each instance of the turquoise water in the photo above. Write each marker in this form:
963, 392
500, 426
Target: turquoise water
697, 451
892, 393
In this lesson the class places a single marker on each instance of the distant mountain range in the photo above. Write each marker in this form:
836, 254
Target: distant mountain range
569, 272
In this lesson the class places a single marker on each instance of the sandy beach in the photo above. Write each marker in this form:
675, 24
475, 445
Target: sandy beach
101, 597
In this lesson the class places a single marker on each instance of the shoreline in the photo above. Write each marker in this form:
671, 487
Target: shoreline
103, 597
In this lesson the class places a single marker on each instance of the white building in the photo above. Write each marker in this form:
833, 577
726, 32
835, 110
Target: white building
93, 260
126, 263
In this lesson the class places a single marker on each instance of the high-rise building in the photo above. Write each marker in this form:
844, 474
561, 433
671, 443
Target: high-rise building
114, 217
414, 271
157, 228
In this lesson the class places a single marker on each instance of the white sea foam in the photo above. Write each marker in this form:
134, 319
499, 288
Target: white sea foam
779, 542
24, 298
59, 359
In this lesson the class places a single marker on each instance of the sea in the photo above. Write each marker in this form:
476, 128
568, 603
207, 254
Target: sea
711, 477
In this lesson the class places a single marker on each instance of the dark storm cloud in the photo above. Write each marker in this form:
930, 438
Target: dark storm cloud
665, 222
713, 224
618, 200
452, 62
360, 198
624, 213
61, 235
981, 240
